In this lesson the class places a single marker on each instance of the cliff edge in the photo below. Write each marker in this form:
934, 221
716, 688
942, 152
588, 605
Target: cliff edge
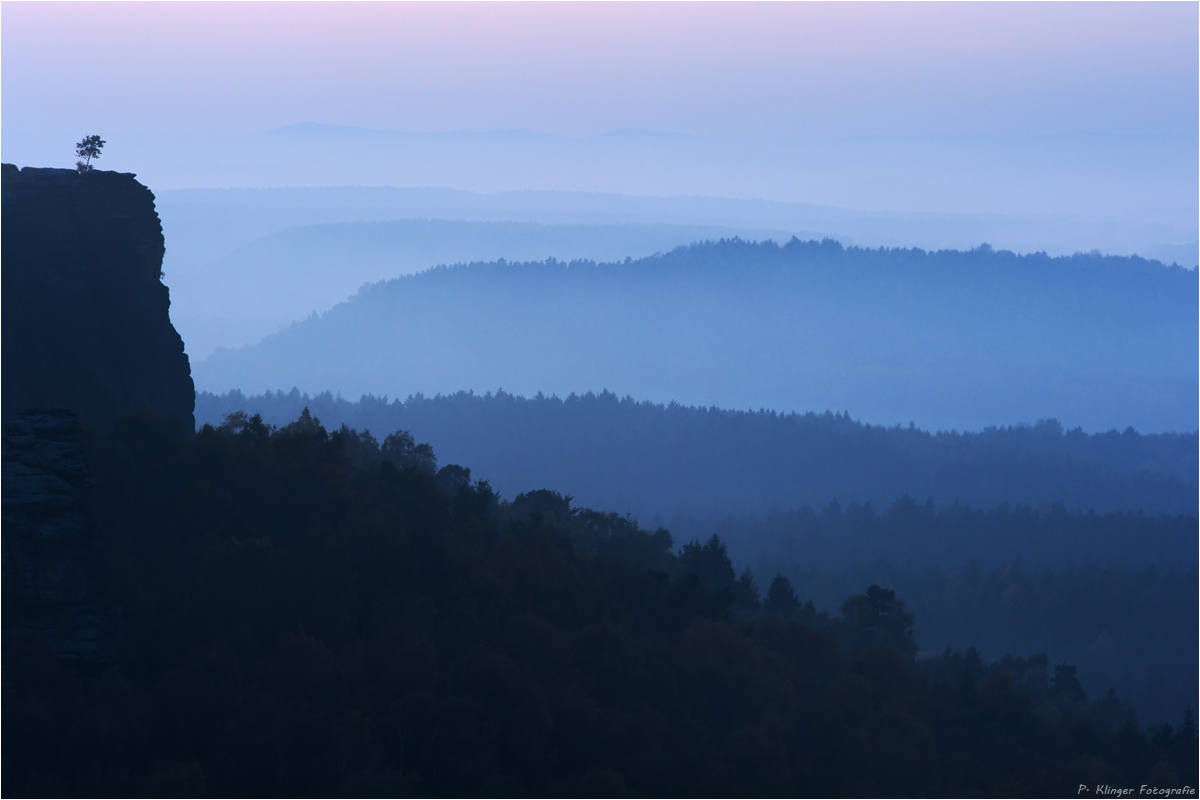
85, 313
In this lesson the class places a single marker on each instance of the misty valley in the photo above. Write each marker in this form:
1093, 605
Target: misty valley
695, 507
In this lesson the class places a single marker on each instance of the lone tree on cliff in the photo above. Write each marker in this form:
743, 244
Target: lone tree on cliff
88, 149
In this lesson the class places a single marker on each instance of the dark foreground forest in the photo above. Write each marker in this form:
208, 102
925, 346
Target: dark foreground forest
297, 612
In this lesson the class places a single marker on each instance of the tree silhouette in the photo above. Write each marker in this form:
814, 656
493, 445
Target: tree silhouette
877, 618
1066, 683
709, 562
781, 598
746, 592
87, 149
403, 451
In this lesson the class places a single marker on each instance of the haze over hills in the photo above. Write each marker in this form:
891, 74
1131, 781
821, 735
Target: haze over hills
947, 340
245, 235
312, 267
1061, 183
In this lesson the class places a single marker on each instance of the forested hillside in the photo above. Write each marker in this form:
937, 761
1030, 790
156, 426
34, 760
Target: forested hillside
1112, 594
1008, 539
650, 459
309, 613
946, 339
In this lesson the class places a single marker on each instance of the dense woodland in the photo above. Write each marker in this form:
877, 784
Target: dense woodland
1086, 608
648, 459
311, 613
1015, 539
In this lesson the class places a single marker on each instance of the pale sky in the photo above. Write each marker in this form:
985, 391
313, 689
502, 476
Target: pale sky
1059, 109
579, 69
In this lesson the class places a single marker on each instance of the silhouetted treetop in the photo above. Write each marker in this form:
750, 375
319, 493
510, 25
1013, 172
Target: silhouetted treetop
87, 148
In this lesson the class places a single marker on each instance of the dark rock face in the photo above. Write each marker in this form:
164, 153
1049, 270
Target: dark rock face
85, 312
86, 337
47, 559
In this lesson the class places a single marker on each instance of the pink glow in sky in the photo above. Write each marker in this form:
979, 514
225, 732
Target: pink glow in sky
713, 69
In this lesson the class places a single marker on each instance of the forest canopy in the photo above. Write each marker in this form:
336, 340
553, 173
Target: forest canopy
310, 612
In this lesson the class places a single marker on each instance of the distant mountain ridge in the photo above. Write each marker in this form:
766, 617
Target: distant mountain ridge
948, 339
930, 230
314, 129
313, 267
213, 231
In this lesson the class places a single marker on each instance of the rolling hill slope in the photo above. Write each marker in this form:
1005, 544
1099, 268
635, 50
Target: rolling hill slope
948, 339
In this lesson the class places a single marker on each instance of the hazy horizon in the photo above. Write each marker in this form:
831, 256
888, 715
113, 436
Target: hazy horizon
1082, 111
605, 132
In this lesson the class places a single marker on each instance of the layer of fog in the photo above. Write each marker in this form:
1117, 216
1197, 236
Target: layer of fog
243, 263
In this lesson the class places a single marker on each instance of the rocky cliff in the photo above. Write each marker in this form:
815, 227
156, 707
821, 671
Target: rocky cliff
85, 312
48, 547
86, 337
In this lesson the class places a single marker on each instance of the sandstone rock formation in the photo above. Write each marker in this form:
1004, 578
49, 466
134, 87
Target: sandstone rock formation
85, 312
48, 556
86, 338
